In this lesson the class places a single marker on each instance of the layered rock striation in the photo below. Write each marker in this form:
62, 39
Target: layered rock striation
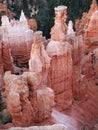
67, 67
19, 37
51, 127
60, 72
1, 67
5, 11
82, 24
59, 29
30, 105
33, 99
90, 37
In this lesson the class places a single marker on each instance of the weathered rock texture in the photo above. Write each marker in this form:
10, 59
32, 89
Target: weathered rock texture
1, 67
82, 24
5, 11
89, 83
20, 108
19, 37
77, 55
79, 69
39, 64
59, 30
6, 61
70, 30
51, 127
90, 38
86, 89
30, 104
39, 59
68, 64
8, 64
60, 73
32, 24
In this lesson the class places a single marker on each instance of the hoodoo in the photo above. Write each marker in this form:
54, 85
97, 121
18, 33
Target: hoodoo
56, 84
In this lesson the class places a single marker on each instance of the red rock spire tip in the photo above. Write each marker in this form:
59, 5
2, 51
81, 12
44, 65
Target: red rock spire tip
94, 2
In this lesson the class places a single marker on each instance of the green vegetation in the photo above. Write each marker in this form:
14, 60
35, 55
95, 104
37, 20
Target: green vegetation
45, 15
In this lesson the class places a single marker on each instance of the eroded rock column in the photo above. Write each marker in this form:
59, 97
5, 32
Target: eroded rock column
91, 38
19, 106
33, 99
39, 64
26, 103
19, 36
60, 73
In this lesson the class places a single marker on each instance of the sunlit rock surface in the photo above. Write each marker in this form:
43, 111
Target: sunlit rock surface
7, 58
5, 11
39, 60
70, 30
29, 105
82, 24
1, 67
6, 61
19, 37
63, 69
51, 127
59, 29
60, 72
32, 24
91, 38
78, 48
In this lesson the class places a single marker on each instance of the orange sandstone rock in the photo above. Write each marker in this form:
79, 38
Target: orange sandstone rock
90, 38
5, 11
78, 48
29, 105
39, 59
60, 72
32, 24
39, 64
89, 69
82, 24
7, 58
1, 67
68, 65
19, 37
59, 30
49, 127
